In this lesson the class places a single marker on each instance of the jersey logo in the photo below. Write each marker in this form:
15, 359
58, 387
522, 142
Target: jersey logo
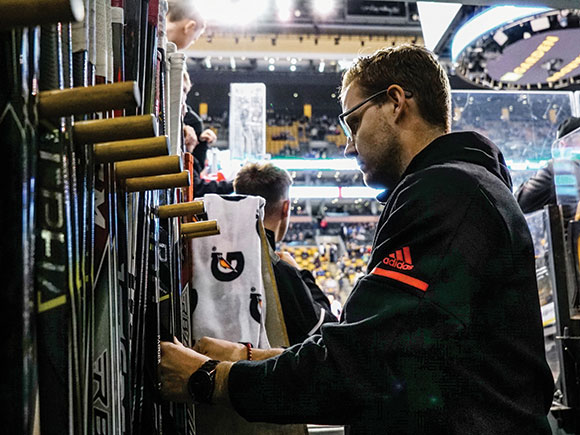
400, 259
256, 306
228, 268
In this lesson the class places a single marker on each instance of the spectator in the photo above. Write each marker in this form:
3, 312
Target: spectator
197, 141
540, 189
184, 23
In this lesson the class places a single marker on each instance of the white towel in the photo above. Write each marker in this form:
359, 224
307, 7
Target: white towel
228, 305
227, 277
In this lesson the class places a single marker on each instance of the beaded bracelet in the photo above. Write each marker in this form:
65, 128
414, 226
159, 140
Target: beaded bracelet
249, 348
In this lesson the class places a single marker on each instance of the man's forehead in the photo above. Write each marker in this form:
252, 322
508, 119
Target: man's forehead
350, 96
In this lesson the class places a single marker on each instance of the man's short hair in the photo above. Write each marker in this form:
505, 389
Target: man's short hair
185, 9
568, 126
412, 67
266, 180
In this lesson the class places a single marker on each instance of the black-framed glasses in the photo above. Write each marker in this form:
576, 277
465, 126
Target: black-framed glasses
341, 118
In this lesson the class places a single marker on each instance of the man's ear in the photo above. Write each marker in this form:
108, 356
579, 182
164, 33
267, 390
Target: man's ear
189, 27
397, 96
285, 208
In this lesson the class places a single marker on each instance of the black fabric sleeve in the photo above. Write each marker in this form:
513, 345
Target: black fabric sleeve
538, 191
302, 316
201, 186
318, 295
192, 119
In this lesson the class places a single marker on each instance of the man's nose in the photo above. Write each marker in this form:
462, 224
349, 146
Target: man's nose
350, 149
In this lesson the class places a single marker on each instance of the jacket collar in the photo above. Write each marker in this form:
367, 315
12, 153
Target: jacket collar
271, 238
465, 146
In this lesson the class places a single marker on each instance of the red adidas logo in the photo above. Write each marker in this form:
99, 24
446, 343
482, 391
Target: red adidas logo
400, 259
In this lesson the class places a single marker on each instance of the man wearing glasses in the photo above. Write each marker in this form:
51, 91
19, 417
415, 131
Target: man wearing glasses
443, 334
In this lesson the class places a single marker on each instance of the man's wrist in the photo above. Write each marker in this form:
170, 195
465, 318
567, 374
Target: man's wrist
247, 351
262, 354
221, 395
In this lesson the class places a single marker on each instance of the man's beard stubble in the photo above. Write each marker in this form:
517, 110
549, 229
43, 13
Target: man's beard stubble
389, 166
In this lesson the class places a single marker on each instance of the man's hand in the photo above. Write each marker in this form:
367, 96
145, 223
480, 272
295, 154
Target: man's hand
177, 364
285, 256
190, 138
208, 136
221, 350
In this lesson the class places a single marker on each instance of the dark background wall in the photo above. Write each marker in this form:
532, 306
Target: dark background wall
212, 87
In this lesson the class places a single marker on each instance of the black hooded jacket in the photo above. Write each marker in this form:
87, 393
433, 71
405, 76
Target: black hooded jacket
443, 335
304, 306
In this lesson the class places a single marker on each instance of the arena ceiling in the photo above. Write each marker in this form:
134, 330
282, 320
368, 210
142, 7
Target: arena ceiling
304, 39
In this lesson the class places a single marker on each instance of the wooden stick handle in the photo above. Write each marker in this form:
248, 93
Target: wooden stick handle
201, 234
150, 166
193, 228
131, 149
90, 99
154, 182
14, 13
114, 129
182, 209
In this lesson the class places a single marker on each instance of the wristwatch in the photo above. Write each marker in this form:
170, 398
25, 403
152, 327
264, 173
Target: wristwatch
202, 382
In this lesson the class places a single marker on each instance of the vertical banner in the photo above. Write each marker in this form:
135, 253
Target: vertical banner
247, 121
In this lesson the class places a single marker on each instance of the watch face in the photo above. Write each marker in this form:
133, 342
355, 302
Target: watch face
201, 383
200, 386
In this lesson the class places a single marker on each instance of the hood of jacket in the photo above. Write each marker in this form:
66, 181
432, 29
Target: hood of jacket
465, 146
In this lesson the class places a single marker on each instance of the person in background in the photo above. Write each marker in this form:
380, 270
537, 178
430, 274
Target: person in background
197, 141
305, 307
443, 332
540, 189
184, 23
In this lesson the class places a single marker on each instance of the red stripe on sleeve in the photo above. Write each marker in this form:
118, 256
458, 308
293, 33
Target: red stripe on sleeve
397, 276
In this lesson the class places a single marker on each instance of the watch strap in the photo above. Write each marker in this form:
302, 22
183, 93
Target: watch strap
208, 369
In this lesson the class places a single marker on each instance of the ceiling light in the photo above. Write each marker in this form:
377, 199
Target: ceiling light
323, 7
292, 68
234, 12
271, 67
540, 24
500, 37
284, 8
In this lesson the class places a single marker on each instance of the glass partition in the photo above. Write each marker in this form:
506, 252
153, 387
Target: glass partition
522, 124
566, 158
537, 223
